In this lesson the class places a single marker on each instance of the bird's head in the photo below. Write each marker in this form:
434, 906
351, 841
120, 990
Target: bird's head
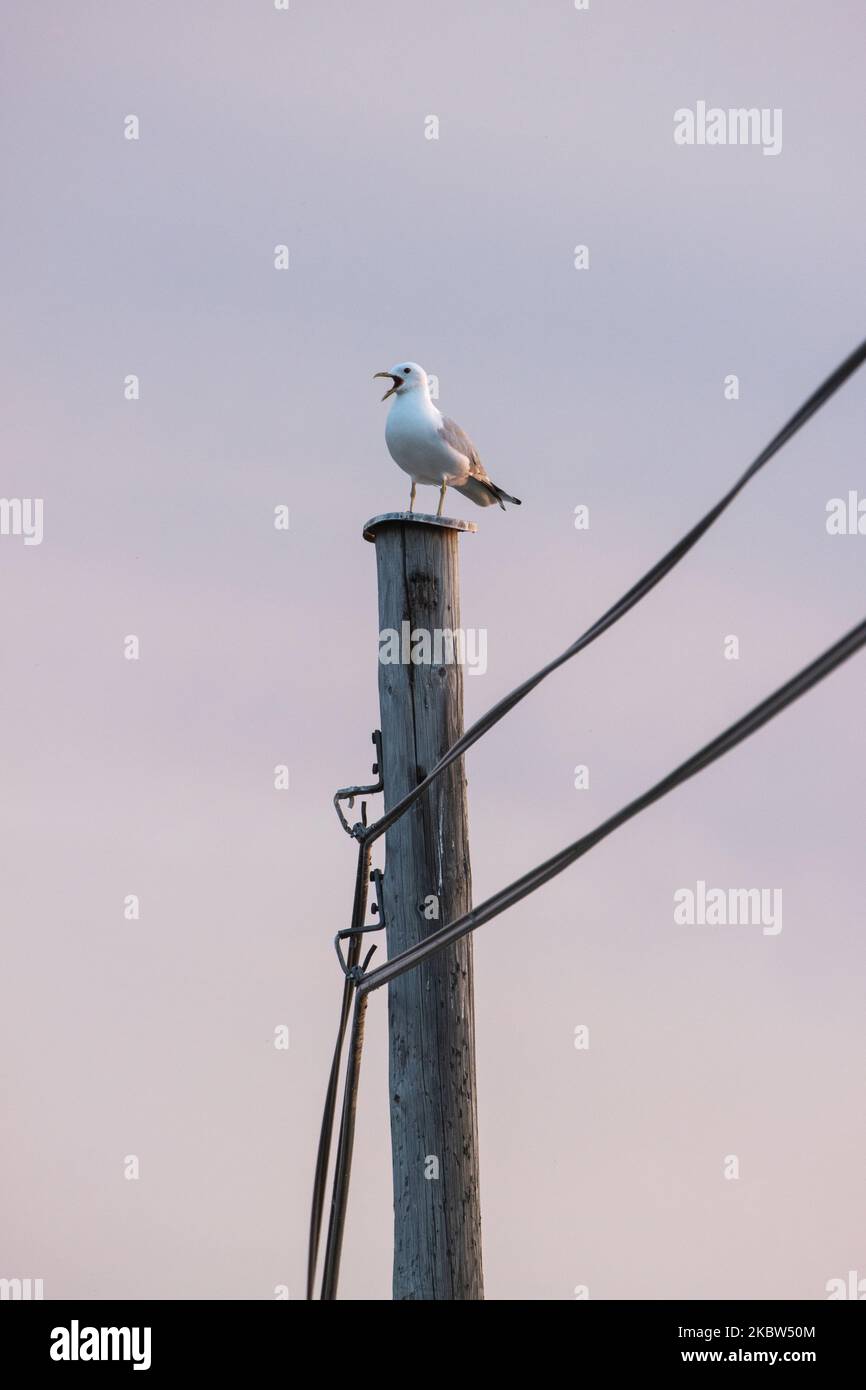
406, 376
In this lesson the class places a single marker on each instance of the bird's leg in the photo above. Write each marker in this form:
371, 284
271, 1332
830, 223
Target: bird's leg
441, 500
412, 496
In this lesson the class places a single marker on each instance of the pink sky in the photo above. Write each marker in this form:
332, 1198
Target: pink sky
602, 387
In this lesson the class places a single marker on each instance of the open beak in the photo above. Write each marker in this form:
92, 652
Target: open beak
398, 381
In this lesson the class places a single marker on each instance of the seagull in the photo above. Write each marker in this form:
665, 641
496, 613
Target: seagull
431, 448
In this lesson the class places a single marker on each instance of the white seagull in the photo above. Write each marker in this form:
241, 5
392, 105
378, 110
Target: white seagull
431, 448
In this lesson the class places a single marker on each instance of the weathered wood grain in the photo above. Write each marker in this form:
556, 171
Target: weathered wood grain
437, 1220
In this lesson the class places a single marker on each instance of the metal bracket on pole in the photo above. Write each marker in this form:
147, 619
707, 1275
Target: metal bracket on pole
355, 973
348, 794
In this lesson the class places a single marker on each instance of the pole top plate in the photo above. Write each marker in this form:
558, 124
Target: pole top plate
449, 523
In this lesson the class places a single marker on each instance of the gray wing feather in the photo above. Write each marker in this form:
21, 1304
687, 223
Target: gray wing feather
479, 485
451, 432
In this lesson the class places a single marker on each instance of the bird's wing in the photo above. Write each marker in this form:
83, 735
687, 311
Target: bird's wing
451, 432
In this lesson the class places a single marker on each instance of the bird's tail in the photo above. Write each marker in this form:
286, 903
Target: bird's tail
503, 497
486, 494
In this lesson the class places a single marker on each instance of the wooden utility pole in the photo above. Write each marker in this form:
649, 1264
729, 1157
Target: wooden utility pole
431, 1015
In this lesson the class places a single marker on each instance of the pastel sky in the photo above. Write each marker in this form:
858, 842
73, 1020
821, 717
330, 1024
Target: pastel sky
601, 387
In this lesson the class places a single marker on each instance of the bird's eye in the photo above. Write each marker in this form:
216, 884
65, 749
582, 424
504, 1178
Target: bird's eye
406, 371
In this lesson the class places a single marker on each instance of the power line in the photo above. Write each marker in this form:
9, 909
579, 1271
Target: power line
628, 600
543, 873
528, 883
407, 960
359, 910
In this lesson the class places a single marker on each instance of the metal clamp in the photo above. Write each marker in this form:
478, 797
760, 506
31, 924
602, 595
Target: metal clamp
348, 794
355, 973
